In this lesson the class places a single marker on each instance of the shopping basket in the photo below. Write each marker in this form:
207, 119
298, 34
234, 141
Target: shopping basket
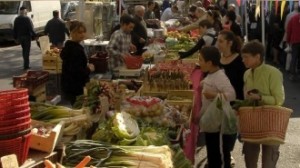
133, 62
264, 124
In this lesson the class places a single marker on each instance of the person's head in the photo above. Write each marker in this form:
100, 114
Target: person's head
199, 4
213, 16
209, 58
23, 10
174, 8
253, 54
231, 7
127, 23
77, 31
200, 12
204, 25
230, 16
192, 10
151, 5
55, 13
139, 10
228, 42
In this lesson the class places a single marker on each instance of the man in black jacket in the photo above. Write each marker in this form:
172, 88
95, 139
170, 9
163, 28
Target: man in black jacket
23, 32
56, 30
139, 33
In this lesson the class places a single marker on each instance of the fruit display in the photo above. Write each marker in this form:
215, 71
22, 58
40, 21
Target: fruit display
54, 52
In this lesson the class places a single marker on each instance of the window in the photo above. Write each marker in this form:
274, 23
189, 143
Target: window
9, 7
27, 4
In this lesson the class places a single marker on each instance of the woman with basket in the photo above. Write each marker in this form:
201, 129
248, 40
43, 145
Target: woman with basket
262, 83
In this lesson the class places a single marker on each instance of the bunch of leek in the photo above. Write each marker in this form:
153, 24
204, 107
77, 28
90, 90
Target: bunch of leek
105, 155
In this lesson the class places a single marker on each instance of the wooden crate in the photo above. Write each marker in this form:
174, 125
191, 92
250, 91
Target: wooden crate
38, 94
180, 96
48, 143
52, 64
159, 94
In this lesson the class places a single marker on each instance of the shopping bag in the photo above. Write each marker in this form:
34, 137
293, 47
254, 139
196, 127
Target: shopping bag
229, 125
211, 118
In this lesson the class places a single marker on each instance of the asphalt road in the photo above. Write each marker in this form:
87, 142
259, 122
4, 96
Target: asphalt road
11, 64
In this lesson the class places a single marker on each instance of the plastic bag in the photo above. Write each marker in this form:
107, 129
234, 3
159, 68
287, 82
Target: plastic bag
229, 124
211, 119
219, 116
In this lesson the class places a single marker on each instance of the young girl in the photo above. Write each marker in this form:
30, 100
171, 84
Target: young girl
216, 82
75, 67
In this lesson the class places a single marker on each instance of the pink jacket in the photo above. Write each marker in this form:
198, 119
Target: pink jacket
293, 30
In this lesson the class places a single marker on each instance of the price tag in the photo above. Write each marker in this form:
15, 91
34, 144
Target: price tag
9, 161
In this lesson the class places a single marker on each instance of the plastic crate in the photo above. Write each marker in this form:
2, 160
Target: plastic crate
18, 146
13, 94
12, 113
31, 79
8, 122
7, 103
15, 128
13, 109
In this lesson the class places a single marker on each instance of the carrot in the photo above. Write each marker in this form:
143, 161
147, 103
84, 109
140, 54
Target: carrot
84, 162
48, 164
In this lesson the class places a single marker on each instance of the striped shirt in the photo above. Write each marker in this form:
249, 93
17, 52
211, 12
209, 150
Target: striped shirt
119, 44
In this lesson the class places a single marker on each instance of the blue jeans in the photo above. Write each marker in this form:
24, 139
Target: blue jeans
25, 42
295, 58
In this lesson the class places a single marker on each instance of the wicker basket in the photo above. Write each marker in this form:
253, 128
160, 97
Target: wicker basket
264, 124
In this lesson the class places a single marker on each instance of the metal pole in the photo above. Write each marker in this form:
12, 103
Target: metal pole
245, 22
263, 22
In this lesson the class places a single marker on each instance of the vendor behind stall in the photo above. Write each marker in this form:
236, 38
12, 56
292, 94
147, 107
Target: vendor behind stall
169, 13
200, 15
120, 42
139, 33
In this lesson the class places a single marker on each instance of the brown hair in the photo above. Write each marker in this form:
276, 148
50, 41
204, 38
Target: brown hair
76, 25
254, 47
236, 42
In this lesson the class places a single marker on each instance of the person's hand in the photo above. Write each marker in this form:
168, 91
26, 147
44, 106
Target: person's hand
142, 40
209, 94
91, 67
132, 48
253, 95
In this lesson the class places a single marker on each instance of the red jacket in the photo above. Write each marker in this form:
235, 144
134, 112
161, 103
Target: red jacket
293, 30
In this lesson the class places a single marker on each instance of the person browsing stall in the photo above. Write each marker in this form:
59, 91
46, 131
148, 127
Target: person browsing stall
139, 33
215, 83
263, 83
75, 67
120, 42
208, 38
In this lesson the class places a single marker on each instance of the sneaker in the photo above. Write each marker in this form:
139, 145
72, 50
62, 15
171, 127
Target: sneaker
26, 68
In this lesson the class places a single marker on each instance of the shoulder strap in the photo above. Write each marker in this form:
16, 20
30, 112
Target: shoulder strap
214, 38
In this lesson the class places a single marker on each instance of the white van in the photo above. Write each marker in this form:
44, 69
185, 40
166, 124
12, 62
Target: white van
40, 13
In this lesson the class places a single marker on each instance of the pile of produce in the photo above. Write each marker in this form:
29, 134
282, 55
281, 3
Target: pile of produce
54, 52
94, 90
179, 41
166, 76
105, 155
74, 120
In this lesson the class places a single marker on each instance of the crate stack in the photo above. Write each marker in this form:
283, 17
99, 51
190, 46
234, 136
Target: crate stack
52, 63
35, 82
15, 123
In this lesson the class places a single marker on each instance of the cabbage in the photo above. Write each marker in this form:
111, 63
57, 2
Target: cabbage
125, 127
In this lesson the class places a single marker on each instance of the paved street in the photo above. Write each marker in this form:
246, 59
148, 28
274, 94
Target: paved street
11, 64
